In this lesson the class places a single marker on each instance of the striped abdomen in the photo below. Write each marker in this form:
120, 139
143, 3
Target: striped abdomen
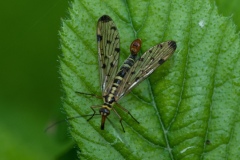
128, 63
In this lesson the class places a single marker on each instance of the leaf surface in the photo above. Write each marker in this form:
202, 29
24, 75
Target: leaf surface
187, 109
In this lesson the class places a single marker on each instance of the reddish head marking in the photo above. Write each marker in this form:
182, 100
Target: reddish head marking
135, 46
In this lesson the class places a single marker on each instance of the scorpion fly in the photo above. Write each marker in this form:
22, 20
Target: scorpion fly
115, 83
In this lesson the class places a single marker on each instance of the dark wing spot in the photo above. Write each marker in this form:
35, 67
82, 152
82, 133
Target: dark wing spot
116, 37
114, 28
152, 58
141, 59
137, 78
99, 38
150, 51
109, 42
133, 72
112, 65
105, 18
161, 61
172, 44
160, 46
117, 50
104, 65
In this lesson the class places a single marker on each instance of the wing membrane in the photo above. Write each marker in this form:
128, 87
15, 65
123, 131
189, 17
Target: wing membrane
145, 65
108, 50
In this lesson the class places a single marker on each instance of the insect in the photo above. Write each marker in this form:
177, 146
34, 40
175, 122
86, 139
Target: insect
117, 83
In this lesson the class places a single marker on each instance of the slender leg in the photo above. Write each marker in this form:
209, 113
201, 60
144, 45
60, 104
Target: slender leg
94, 112
92, 107
120, 118
89, 94
125, 110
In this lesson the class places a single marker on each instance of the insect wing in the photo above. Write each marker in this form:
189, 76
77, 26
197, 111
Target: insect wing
145, 65
108, 51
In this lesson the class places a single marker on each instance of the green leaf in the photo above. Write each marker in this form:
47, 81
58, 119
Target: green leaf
187, 109
230, 9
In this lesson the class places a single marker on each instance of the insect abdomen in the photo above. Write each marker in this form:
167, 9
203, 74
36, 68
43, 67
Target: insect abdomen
128, 63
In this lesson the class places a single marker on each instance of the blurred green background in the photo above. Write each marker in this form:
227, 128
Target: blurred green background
30, 89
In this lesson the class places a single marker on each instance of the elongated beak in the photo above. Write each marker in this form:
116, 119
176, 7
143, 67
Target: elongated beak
103, 122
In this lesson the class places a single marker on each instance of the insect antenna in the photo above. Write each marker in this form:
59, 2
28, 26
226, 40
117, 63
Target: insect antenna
68, 119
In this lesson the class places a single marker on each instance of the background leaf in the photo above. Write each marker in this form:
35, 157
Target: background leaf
29, 83
229, 8
30, 92
188, 108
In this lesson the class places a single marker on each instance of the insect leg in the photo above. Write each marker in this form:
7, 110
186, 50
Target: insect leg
119, 118
125, 110
94, 112
89, 94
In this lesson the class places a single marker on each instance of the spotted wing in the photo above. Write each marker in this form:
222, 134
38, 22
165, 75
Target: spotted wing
145, 65
108, 50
